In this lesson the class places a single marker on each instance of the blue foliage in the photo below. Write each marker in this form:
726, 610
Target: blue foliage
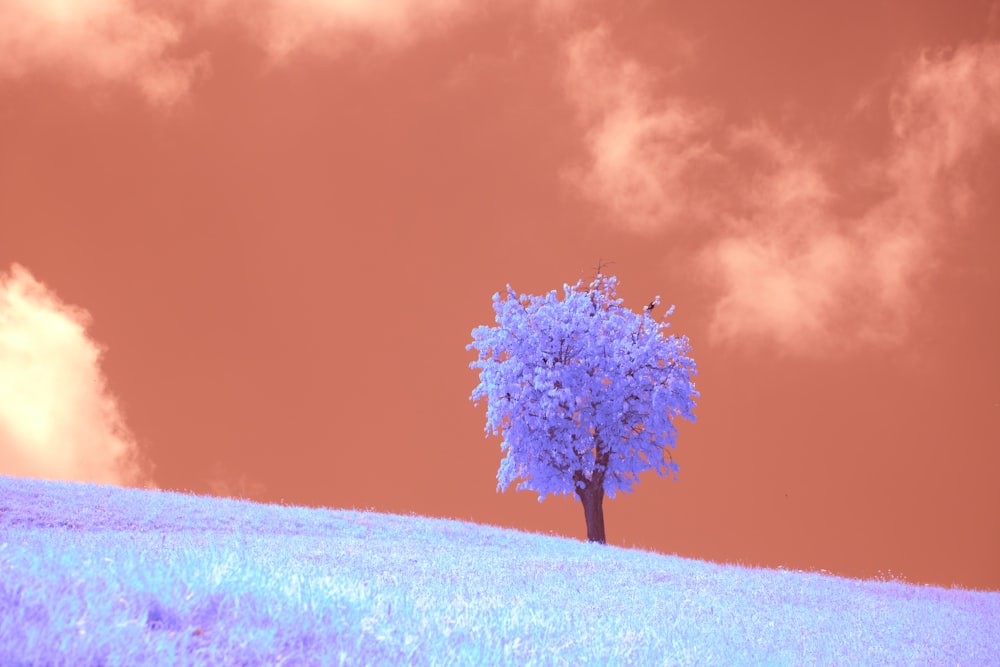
581, 386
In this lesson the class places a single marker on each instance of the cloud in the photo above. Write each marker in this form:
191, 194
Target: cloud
790, 266
782, 264
799, 273
642, 152
945, 107
96, 42
284, 27
57, 418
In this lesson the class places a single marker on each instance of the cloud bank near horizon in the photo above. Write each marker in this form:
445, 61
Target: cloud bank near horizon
58, 420
791, 268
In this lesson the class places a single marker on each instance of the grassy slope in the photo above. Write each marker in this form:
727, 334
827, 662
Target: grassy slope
94, 575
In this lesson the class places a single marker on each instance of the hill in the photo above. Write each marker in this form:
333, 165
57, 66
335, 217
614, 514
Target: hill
100, 575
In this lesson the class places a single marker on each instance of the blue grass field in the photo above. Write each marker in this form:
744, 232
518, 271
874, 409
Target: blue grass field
104, 576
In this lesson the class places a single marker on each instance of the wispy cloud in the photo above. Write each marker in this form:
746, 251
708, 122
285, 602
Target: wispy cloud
785, 266
94, 43
57, 418
283, 27
791, 268
642, 151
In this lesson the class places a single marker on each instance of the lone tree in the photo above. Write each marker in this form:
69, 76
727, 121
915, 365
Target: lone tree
583, 392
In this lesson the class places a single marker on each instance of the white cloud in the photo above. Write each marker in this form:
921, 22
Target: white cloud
642, 151
800, 274
283, 27
785, 266
791, 268
57, 418
95, 42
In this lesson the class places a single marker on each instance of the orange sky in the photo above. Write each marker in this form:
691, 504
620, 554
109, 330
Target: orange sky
243, 244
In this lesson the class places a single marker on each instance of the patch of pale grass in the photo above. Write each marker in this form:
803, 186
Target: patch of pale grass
93, 575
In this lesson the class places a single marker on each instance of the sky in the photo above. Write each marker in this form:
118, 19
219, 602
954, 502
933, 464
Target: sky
243, 245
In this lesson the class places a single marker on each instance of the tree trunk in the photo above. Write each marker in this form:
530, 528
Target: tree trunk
591, 493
